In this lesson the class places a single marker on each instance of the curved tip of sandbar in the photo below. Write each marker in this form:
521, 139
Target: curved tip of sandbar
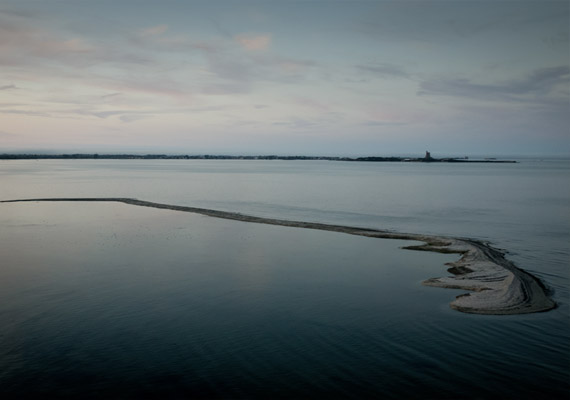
496, 286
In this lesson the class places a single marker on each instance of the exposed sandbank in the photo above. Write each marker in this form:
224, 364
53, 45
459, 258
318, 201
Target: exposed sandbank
496, 285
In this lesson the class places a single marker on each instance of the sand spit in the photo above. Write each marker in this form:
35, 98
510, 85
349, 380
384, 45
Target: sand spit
496, 285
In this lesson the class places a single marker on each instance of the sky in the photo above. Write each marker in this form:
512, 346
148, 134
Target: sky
291, 77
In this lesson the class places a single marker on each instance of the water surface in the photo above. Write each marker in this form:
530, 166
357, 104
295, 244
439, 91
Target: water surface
106, 299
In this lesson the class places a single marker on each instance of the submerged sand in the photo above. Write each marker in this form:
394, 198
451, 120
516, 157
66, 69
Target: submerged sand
495, 285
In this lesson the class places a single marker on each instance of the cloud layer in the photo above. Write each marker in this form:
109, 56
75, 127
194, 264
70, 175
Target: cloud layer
374, 77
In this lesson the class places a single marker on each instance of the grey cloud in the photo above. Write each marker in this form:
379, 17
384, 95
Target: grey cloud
30, 113
12, 104
539, 83
106, 114
226, 88
131, 117
134, 115
28, 45
443, 21
238, 71
505, 19
231, 66
384, 70
19, 13
206, 109
326, 119
170, 43
545, 79
381, 123
297, 123
111, 95
161, 86
235, 70
123, 115
220, 28
557, 38
8, 87
22, 41
231, 70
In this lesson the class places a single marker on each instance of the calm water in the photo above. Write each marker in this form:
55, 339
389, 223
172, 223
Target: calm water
113, 300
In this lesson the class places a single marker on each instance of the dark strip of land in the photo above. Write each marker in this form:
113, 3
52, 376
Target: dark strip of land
229, 157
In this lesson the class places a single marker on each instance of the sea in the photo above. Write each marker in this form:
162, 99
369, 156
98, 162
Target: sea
109, 300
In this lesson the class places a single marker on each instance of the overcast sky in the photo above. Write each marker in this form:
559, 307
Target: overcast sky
285, 77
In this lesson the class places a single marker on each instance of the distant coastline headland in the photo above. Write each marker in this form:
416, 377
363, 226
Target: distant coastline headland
94, 156
496, 286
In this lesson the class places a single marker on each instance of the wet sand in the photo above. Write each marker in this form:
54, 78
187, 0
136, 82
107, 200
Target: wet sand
495, 285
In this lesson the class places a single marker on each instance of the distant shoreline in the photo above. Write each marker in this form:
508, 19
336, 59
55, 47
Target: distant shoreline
496, 286
95, 156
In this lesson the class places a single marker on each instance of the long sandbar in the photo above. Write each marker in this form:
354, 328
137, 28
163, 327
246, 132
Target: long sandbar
495, 285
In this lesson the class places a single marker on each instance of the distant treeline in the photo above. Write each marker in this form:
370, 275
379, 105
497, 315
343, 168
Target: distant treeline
228, 157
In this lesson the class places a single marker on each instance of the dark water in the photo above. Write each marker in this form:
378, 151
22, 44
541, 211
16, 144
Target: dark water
108, 300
